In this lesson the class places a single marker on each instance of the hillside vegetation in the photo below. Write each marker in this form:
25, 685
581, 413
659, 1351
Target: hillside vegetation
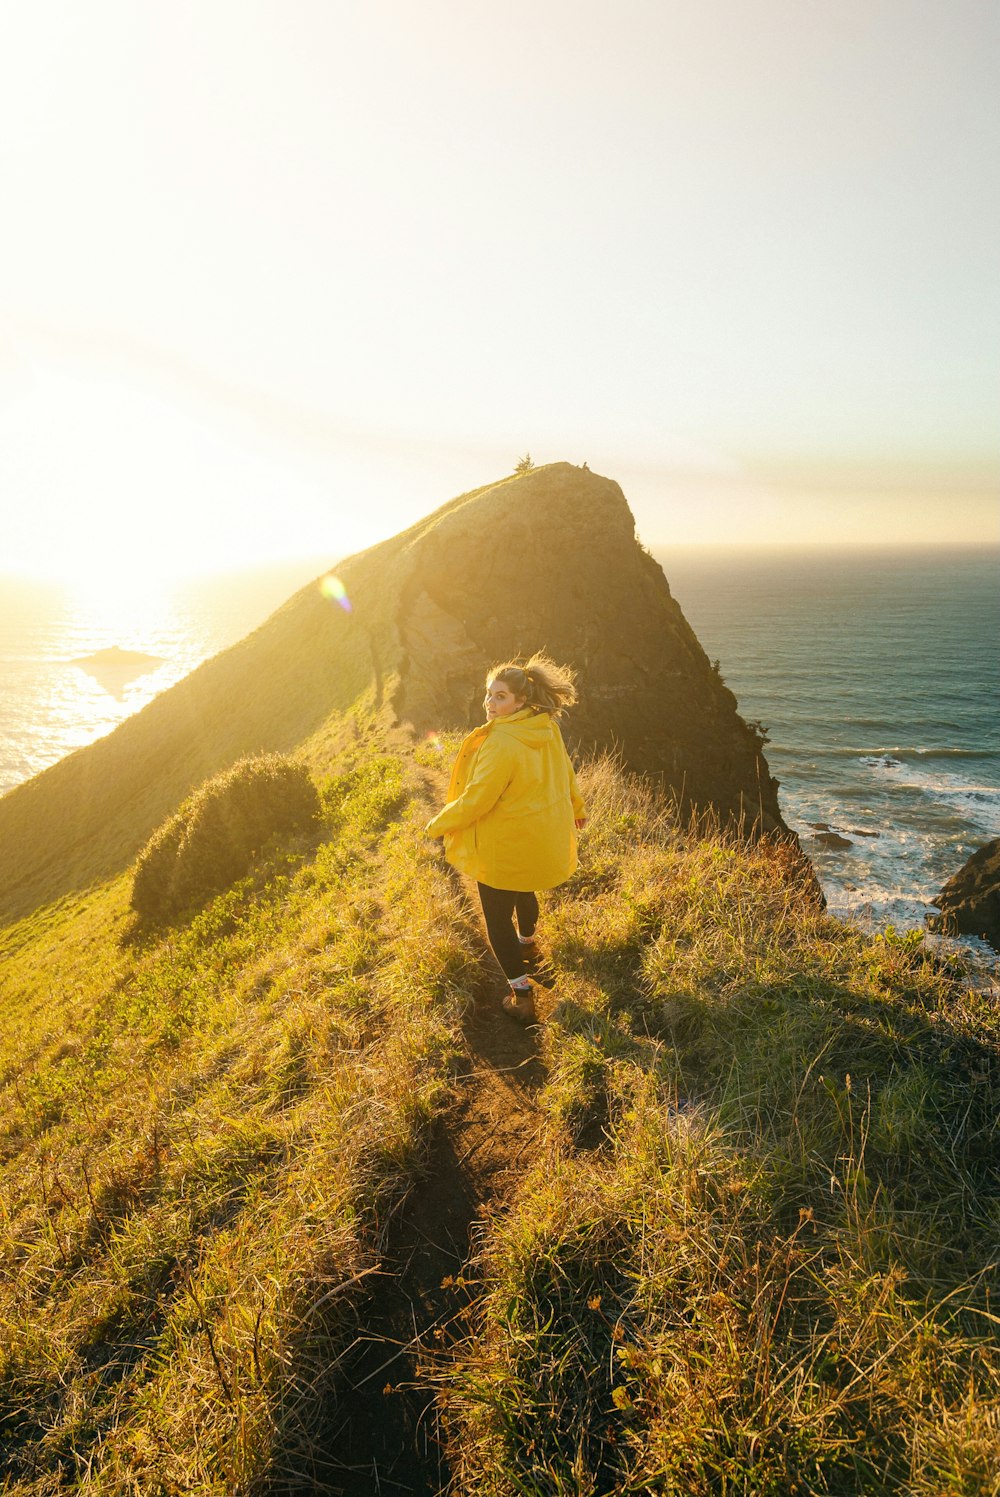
752, 1249
217, 834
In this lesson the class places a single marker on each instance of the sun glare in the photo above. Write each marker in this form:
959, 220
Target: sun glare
119, 493
118, 599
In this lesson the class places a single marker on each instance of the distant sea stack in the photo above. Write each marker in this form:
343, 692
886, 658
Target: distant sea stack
116, 658
970, 900
404, 633
115, 668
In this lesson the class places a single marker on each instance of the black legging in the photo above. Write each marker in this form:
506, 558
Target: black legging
499, 906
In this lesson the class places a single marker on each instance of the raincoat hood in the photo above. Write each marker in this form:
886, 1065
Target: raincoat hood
533, 729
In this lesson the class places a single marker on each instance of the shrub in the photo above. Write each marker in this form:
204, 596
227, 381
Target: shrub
212, 840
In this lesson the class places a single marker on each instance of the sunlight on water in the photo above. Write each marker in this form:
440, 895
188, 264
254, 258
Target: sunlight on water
54, 697
119, 604
879, 685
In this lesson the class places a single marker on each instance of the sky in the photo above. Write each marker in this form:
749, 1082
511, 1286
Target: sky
277, 277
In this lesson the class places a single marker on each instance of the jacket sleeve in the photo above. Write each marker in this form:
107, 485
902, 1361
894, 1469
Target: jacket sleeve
491, 774
579, 809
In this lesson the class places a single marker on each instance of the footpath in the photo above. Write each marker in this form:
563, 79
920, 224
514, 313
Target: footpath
382, 1432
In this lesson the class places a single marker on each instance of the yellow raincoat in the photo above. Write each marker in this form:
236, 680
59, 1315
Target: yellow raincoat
512, 802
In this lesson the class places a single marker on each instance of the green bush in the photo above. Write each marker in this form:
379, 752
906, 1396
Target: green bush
212, 840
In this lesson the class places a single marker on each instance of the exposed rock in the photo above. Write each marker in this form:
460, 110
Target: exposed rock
551, 561
114, 668
857, 831
820, 826
970, 901
116, 658
833, 839
548, 560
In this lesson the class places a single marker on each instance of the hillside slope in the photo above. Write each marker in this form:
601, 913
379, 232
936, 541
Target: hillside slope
726, 1222
546, 560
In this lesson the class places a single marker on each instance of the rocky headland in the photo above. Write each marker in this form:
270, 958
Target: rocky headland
403, 636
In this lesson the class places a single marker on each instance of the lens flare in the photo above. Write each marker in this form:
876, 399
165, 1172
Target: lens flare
433, 741
332, 588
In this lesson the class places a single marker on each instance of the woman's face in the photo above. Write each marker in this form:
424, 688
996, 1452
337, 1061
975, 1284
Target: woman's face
500, 701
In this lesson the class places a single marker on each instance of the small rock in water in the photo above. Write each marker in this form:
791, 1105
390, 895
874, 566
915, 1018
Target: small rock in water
114, 668
116, 658
820, 826
834, 839
857, 831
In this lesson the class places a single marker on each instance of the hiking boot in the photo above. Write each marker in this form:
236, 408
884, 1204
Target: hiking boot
520, 1004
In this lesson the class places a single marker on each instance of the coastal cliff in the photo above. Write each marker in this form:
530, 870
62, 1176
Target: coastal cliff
546, 560
285, 1188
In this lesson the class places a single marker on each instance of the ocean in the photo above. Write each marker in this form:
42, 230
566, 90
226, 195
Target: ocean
52, 703
876, 674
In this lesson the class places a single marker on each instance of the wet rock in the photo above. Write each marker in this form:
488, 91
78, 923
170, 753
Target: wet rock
833, 839
969, 903
857, 831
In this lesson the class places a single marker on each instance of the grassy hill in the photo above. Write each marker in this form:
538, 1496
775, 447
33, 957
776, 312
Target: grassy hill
745, 1237
289, 1205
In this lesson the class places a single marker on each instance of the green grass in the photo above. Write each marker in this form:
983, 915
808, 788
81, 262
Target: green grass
216, 836
754, 1253
758, 1254
203, 1140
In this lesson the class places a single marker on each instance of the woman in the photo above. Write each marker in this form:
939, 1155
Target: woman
513, 811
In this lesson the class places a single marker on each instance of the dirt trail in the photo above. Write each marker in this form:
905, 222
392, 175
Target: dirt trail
382, 1429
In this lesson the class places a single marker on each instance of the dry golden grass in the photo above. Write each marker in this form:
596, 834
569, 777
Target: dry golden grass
203, 1139
754, 1252
758, 1257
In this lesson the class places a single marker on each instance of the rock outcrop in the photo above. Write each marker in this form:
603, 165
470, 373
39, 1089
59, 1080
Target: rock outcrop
547, 560
970, 901
551, 561
115, 668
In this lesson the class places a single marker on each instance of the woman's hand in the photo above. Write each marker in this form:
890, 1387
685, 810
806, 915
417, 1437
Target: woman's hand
580, 822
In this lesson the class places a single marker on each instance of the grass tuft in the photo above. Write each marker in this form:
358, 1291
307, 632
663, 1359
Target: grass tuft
215, 836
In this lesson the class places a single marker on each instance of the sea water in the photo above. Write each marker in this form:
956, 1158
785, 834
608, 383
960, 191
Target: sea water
877, 676
51, 703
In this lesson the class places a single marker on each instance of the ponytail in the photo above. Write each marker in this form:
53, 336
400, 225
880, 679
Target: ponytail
543, 685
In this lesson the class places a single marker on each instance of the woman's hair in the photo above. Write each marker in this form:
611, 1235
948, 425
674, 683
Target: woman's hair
545, 686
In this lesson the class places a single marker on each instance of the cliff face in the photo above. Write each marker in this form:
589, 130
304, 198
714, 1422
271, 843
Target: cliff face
551, 561
546, 561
